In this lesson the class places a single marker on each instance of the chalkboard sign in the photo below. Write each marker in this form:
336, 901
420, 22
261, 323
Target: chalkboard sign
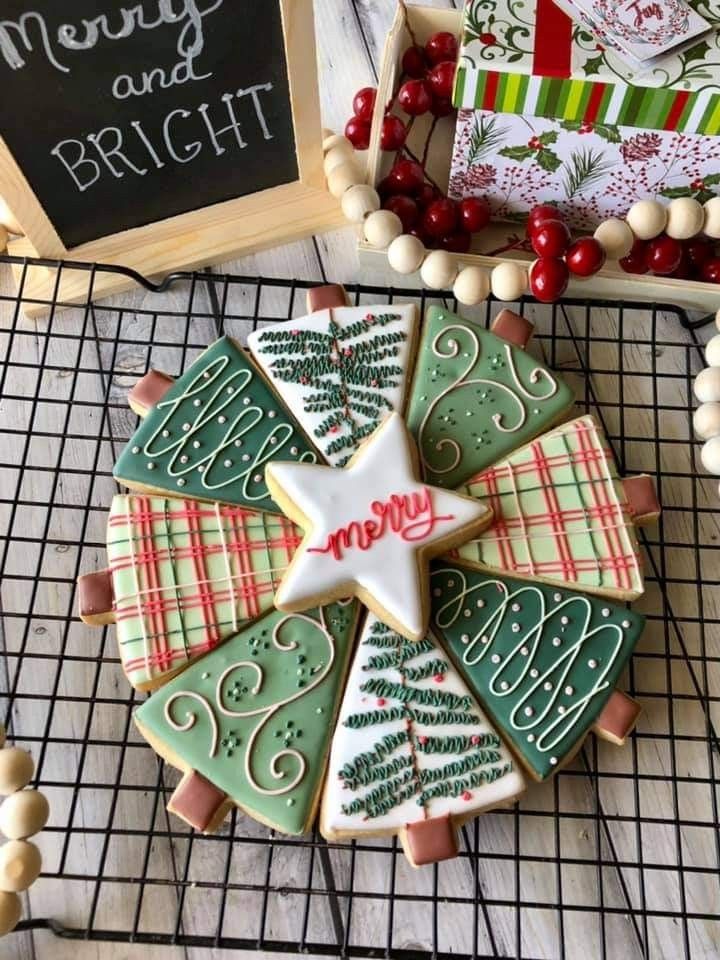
153, 120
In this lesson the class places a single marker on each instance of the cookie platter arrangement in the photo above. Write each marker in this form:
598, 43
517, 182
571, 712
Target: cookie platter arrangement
370, 566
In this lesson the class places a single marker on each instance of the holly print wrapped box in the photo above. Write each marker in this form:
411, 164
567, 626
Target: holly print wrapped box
590, 170
532, 59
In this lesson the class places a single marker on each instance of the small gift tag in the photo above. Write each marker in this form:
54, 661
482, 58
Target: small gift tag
641, 31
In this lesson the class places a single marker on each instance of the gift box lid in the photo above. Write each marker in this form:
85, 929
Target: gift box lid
533, 59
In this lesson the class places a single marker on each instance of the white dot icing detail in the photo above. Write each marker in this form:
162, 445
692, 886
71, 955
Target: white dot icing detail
227, 463
515, 607
605, 611
569, 691
592, 663
556, 641
495, 658
465, 638
136, 449
529, 712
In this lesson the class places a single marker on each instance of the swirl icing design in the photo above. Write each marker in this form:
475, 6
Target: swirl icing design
255, 715
475, 398
543, 662
213, 433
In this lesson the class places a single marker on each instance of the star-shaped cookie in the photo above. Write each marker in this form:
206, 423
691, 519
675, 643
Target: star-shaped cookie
370, 529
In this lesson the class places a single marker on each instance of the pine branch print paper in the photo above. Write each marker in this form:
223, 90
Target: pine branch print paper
186, 575
212, 433
340, 371
254, 717
543, 662
589, 170
411, 744
560, 515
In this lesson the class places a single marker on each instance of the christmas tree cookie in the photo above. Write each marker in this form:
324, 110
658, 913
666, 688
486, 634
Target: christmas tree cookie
477, 396
341, 370
250, 723
209, 434
543, 662
183, 576
413, 754
562, 515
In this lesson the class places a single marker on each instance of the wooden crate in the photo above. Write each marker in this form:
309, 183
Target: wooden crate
611, 283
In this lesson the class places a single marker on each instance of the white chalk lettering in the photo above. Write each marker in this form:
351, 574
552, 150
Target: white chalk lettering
125, 86
181, 136
232, 127
191, 149
253, 92
146, 142
115, 151
9, 48
81, 163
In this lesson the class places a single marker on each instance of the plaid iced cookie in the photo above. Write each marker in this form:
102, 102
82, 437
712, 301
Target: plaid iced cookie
562, 515
183, 576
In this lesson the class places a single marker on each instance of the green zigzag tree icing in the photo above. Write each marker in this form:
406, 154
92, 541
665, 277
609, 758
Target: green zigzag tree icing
212, 434
542, 661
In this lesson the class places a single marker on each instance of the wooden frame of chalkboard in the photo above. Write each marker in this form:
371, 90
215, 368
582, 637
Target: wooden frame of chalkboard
213, 232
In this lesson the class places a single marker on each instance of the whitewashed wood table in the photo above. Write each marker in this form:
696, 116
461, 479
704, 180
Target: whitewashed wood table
618, 857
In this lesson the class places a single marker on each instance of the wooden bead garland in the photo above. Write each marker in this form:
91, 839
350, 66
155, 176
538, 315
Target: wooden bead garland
22, 814
683, 218
16, 769
706, 421
20, 865
10, 912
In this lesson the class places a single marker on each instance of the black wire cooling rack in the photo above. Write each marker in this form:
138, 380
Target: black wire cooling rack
618, 856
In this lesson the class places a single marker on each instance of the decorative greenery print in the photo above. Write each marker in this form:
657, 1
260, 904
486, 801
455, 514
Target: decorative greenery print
486, 136
395, 766
583, 169
698, 189
346, 372
604, 130
536, 149
497, 39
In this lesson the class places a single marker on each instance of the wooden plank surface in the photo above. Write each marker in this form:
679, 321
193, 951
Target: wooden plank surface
640, 866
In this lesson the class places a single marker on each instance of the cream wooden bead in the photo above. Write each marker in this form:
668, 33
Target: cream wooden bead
710, 456
336, 156
337, 140
438, 270
508, 281
406, 253
706, 421
381, 228
7, 220
615, 237
359, 201
711, 210
23, 814
342, 177
706, 388
685, 218
712, 352
20, 865
10, 912
647, 219
472, 286
16, 768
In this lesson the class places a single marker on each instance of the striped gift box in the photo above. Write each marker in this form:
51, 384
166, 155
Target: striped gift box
549, 66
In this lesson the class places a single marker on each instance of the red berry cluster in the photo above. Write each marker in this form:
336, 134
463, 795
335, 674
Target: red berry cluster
425, 213
558, 255
664, 256
431, 72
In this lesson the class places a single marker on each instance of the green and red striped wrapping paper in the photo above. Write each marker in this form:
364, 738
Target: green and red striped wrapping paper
554, 68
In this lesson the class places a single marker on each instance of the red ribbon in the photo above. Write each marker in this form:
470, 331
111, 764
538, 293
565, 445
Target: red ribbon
553, 41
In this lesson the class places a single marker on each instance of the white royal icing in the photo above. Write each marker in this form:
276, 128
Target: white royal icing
336, 506
354, 746
302, 398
